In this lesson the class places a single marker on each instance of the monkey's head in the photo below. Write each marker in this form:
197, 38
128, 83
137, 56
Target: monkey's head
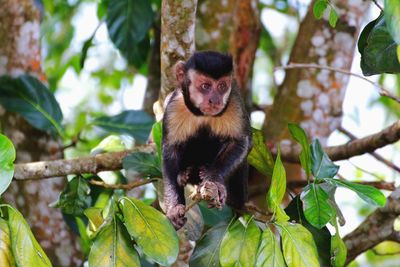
205, 80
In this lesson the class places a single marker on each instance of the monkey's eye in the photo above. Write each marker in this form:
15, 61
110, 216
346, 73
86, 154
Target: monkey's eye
205, 86
222, 86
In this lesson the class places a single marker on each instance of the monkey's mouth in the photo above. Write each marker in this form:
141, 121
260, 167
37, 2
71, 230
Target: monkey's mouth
211, 111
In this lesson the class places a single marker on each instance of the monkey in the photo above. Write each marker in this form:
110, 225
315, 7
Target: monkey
206, 135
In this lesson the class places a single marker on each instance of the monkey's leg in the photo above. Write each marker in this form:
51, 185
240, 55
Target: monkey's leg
174, 198
237, 186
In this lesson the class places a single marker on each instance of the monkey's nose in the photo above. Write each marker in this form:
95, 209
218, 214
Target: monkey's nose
214, 100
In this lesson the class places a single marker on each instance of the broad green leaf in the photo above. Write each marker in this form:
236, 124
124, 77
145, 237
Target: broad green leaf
322, 237
28, 97
84, 239
112, 247
26, 250
338, 249
277, 189
333, 17
157, 137
136, 123
298, 245
151, 230
75, 197
239, 245
95, 217
7, 157
322, 166
111, 143
269, 251
319, 8
392, 16
128, 22
215, 216
316, 208
206, 252
300, 136
6, 256
368, 193
377, 49
260, 157
144, 163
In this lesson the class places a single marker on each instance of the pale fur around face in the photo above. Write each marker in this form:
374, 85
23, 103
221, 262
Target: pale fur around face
184, 124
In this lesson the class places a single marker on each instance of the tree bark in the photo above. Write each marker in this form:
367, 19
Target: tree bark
20, 54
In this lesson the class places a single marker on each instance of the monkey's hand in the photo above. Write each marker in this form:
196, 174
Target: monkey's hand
183, 177
176, 215
214, 193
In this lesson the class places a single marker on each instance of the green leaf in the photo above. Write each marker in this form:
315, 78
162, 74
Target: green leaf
7, 157
6, 256
316, 208
206, 252
333, 17
75, 197
398, 53
111, 143
95, 218
28, 97
298, 245
144, 163
368, 193
260, 157
322, 237
269, 251
338, 248
157, 137
87, 44
26, 250
319, 8
214, 216
136, 123
239, 245
277, 189
128, 22
322, 166
377, 49
392, 16
151, 230
113, 248
300, 136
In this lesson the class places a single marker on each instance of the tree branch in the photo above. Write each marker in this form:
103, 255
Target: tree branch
382, 90
128, 186
377, 227
353, 148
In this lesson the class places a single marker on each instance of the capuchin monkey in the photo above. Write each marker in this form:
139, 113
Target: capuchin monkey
206, 136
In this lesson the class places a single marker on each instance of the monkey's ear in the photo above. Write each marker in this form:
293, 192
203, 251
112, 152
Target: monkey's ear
180, 71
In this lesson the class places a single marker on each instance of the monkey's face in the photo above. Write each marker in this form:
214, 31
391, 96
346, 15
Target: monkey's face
207, 94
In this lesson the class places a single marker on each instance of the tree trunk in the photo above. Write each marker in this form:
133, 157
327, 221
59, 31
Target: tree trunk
20, 54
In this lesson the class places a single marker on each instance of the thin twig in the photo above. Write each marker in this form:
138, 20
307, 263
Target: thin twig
374, 154
128, 186
390, 186
382, 90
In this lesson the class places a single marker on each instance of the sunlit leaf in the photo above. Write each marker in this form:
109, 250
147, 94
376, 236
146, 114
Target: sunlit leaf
95, 218
28, 97
319, 8
260, 157
239, 245
151, 230
206, 252
300, 136
157, 137
338, 249
368, 193
112, 247
269, 252
26, 250
7, 157
136, 123
333, 17
392, 16
6, 256
317, 210
298, 245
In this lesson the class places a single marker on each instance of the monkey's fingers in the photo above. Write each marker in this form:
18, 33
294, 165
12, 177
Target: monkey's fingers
176, 215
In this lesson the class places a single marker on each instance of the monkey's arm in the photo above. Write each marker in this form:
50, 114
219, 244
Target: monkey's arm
174, 198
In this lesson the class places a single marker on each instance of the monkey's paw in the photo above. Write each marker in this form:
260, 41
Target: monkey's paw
183, 177
176, 215
214, 193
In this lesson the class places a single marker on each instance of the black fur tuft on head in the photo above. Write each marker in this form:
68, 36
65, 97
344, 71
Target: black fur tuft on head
211, 63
